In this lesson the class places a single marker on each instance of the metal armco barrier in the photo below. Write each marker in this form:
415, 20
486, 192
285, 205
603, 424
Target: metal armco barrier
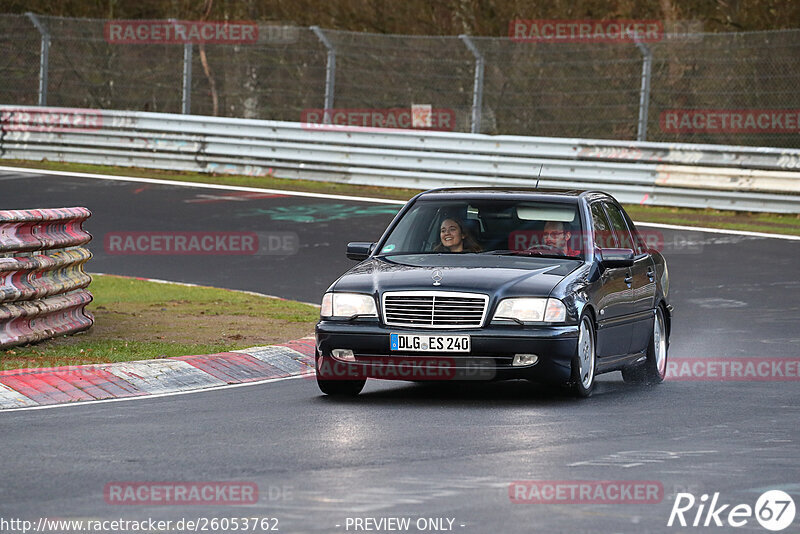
42, 284
722, 177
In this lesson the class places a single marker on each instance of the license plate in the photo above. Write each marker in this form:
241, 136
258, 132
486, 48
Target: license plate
428, 343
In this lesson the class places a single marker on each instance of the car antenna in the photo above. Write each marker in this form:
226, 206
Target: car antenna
539, 175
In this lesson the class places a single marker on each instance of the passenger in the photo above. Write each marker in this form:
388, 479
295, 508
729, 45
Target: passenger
555, 235
454, 238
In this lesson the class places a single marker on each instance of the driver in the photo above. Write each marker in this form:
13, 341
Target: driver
557, 236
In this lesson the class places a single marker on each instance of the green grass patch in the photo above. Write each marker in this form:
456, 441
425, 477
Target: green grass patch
115, 292
139, 320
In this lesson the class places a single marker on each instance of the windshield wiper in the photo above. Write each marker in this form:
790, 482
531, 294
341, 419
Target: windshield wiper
536, 253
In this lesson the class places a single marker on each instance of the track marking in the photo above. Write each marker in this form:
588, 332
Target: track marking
346, 197
200, 185
719, 231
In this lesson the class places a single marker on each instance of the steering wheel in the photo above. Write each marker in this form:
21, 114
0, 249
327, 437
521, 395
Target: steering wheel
544, 249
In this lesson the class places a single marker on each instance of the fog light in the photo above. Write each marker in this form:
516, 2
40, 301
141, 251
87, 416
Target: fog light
345, 355
524, 359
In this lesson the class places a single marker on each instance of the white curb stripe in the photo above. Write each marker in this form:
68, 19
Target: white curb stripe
10, 398
164, 376
283, 358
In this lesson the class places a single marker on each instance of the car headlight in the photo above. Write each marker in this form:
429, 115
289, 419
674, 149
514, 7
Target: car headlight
532, 310
348, 305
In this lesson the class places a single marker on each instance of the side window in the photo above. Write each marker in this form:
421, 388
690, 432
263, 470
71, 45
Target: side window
641, 245
603, 238
619, 226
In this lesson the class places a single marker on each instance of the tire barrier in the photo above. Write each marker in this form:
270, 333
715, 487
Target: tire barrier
43, 288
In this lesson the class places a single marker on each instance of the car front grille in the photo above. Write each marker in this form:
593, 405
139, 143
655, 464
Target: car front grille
434, 309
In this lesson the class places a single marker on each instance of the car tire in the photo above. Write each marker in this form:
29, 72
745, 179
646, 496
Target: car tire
654, 368
336, 387
584, 363
341, 388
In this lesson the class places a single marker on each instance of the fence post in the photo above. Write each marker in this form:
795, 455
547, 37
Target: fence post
330, 72
644, 93
477, 89
186, 98
44, 57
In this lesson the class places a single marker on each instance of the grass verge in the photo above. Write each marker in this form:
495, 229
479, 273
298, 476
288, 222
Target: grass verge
139, 320
788, 224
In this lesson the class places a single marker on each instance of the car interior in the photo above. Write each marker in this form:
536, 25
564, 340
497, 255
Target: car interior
504, 227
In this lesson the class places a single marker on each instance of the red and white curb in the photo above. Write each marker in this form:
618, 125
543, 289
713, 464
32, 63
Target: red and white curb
22, 388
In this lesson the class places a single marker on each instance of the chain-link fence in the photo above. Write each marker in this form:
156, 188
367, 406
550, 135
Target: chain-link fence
490, 85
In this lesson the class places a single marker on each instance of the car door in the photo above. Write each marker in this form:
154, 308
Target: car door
612, 294
641, 276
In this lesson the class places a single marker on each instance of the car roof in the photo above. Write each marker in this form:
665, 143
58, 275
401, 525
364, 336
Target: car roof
526, 193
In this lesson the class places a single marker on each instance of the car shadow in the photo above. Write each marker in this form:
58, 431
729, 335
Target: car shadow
490, 394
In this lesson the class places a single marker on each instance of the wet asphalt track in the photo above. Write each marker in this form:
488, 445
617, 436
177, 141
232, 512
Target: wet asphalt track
403, 450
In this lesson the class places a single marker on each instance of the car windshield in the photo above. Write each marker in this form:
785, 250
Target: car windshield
492, 227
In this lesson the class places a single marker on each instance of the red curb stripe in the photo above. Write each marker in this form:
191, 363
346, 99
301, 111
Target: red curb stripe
67, 384
44, 389
234, 367
39, 389
70, 386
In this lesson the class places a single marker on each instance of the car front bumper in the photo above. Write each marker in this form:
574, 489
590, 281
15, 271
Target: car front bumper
490, 358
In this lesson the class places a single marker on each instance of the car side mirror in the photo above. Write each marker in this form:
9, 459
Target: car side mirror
611, 258
359, 250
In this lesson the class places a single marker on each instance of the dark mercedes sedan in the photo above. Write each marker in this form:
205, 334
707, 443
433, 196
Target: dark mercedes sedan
494, 284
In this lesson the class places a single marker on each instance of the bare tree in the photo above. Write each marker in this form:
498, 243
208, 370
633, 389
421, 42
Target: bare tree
206, 67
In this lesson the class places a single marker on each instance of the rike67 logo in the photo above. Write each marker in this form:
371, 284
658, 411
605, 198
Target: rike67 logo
774, 510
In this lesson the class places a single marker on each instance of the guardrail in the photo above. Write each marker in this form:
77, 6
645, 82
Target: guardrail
42, 284
722, 177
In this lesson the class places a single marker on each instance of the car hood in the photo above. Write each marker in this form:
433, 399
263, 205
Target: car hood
498, 275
